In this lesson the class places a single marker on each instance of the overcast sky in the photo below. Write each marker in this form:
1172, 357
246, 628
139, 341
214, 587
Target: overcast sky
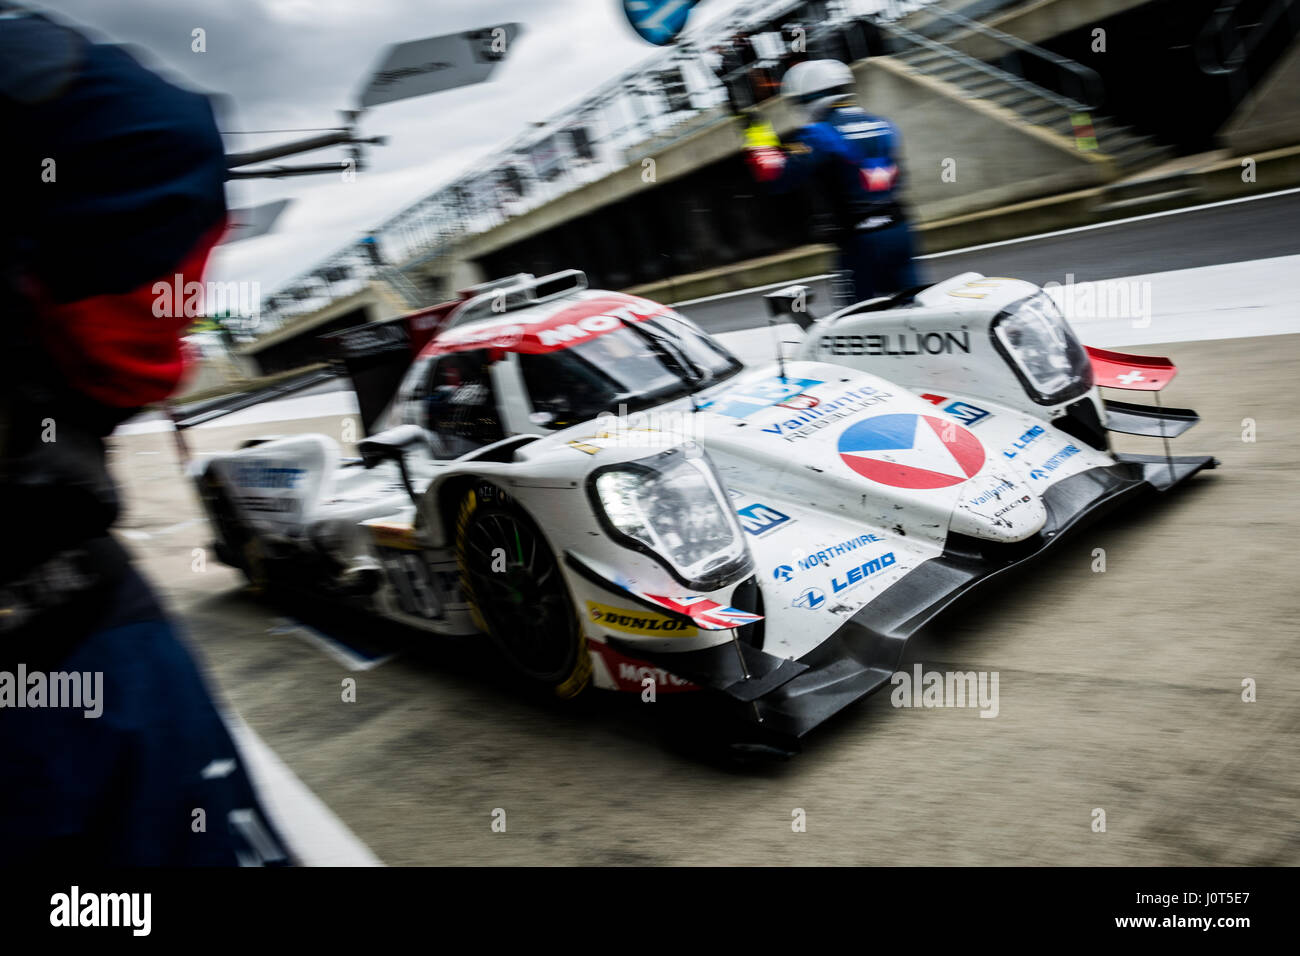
285, 64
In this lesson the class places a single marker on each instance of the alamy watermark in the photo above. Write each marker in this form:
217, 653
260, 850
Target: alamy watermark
194, 300
1102, 299
83, 690
74, 908
927, 689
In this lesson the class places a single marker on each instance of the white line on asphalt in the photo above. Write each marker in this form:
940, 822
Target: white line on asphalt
1113, 222
1003, 242
316, 837
338, 652
134, 534
751, 290
181, 525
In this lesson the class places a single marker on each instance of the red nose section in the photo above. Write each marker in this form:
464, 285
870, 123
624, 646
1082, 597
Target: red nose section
1139, 373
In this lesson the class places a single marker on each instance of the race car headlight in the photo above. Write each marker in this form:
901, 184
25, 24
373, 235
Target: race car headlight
673, 508
1042, 349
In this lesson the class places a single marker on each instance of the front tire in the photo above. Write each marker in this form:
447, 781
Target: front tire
517, 594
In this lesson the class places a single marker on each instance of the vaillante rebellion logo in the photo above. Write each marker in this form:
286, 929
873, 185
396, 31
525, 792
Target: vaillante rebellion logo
804, 419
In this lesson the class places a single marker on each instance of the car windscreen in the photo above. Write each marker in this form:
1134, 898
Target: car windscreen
637, 366
710, 360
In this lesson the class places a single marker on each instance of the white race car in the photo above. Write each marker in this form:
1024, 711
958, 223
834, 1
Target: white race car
617, 502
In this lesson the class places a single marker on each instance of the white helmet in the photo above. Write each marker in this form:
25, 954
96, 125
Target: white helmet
816, 84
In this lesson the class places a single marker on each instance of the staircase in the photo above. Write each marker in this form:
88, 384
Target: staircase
1243, 38
398, 281
1081, 90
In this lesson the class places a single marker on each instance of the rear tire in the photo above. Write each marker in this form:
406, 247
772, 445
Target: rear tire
516, 592
240, 545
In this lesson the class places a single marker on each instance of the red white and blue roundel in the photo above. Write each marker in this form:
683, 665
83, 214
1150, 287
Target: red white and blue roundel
911, 451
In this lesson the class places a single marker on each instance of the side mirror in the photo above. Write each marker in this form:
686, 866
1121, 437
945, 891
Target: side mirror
792, 301
392, 445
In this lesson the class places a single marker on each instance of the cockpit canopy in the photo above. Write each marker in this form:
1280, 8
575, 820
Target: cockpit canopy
581, 354
640, 365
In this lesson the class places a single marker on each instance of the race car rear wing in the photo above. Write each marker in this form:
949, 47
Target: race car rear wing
376, 355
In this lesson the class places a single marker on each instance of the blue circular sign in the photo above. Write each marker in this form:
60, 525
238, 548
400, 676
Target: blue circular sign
658, 21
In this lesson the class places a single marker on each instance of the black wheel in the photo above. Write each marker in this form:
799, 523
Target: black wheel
515, 588
238, 545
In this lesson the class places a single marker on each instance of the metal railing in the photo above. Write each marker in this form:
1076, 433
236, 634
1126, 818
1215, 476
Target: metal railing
1223, 47
673, 93
1078, 84
1010, 79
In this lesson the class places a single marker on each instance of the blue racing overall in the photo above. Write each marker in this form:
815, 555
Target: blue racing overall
851, 158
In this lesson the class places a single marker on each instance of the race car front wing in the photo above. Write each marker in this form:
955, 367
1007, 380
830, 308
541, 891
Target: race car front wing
787, 699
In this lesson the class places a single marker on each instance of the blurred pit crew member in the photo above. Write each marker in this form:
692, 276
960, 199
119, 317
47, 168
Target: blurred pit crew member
116, 181
851, 158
